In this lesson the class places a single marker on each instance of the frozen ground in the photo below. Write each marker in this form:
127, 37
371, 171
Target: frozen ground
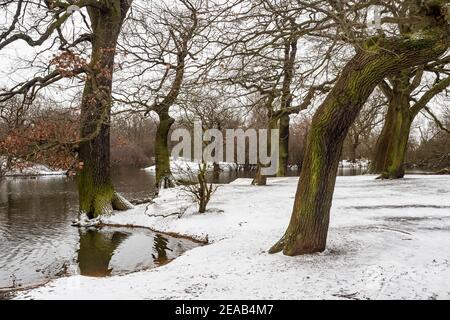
388, 240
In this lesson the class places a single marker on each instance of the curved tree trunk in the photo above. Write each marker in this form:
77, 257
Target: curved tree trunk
162, 154
390, 151
308, 228
96, 191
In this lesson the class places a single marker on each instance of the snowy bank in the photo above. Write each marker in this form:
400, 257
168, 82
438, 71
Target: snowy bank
35, 170
387, 240
359, 163
181, 165
29, 169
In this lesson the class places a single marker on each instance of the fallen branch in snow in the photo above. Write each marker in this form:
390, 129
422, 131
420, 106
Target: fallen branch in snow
142, 201
351, 296
178, 213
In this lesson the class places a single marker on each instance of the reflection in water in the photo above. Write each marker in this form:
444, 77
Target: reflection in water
96, 250
160, 246
111, 251
37, 241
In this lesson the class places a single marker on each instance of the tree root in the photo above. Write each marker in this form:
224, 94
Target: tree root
445, 171
278, 247
120, 203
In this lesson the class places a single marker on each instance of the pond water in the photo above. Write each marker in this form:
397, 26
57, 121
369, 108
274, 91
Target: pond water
37, 241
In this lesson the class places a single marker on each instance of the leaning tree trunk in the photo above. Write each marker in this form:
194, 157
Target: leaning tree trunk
308, 228
283, 157
96, 191
162, 154
391, 147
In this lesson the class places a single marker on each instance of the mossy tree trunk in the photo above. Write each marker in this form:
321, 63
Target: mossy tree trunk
390, 151
283, 158
392, 145
162, 153
96, 191
308, 228
290, 53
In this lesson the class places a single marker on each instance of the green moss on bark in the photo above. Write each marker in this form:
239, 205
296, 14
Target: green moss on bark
95, 198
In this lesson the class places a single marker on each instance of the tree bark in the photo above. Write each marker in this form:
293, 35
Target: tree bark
96, 191
391, 147
259, 179
308, 228
283, 158
290, 53
162, 154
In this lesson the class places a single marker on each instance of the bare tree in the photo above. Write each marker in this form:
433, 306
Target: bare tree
100, 26
163, 46
262, 61
376, 58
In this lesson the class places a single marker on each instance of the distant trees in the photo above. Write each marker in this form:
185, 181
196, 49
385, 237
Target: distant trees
263, 62
297, 142
432, 150
361, 133
132, 140
39, 132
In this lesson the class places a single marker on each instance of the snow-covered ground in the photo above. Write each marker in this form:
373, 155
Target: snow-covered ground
387, 240
181, 165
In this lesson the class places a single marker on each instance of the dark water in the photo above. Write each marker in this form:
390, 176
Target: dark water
37, 241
